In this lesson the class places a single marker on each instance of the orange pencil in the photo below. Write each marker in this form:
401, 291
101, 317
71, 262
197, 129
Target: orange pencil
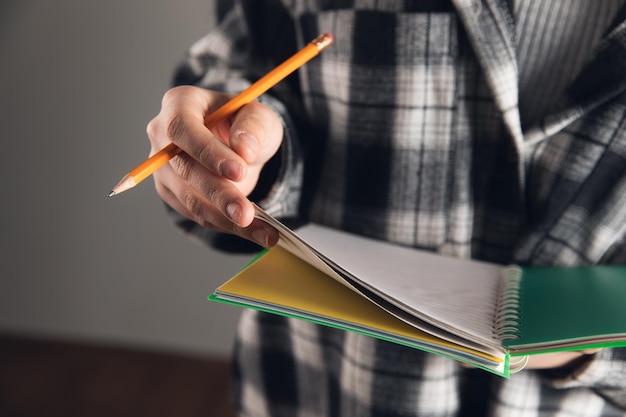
146, 168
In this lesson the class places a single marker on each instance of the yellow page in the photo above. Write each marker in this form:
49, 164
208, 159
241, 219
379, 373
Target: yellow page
281, 279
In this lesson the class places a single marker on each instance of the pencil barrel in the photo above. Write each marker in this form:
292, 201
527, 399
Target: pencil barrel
153, 163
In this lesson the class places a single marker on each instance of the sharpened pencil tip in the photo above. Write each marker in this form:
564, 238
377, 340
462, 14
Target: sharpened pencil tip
126, 183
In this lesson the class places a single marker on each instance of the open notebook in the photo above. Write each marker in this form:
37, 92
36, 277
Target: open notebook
479, 313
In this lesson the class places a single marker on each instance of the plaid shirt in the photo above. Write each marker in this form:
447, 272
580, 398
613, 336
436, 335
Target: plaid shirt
408, 129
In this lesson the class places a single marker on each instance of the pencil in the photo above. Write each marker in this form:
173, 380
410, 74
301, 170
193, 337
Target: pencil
146, 168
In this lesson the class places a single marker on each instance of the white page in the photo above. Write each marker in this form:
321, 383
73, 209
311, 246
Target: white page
456, 294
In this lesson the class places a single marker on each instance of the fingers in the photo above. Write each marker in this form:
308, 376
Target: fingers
557, 359
181, 121
197, 188
256, 133
210, 180
552, 360
190, 204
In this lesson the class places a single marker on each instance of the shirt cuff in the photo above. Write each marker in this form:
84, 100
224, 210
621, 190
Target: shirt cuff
282, 199
604, 370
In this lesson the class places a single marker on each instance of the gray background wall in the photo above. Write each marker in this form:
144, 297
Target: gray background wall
79, 80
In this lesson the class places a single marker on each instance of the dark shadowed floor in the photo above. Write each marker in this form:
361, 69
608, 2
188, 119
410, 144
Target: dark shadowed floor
53, 378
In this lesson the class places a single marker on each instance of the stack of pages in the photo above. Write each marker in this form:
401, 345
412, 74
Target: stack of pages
487, 315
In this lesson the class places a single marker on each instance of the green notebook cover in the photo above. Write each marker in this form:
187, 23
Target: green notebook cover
564, 308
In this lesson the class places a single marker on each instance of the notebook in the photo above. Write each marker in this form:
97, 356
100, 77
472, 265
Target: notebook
487, 315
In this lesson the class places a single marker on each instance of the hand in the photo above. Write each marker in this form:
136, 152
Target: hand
556, 360
551, 360
209, 181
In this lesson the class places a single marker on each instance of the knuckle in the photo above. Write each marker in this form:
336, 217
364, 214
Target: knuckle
169, 96
173, 94
151, 128
213, 193
162, 191
176, 128
192, 202
182, 166
204, 153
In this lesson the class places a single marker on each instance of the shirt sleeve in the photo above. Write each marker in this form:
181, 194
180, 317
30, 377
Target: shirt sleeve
602, 372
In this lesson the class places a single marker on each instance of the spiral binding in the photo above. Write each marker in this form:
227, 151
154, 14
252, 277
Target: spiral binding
507, 319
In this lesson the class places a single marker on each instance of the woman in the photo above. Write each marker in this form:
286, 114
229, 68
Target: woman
483, 129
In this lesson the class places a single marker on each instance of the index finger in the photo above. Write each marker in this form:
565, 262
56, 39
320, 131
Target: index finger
185, 109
